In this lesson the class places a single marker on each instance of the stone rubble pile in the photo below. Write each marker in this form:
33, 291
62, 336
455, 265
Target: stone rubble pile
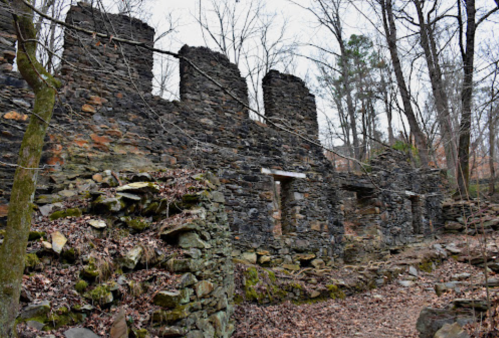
470, 217
194, 300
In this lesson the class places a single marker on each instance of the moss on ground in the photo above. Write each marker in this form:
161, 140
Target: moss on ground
65, 213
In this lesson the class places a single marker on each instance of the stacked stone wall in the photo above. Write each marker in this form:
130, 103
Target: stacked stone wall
105, 123
289, 104
15, 106
114, 68
110, 120
395, 204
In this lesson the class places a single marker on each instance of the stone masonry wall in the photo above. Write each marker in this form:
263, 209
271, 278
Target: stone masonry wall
106, 124
293, 107
15, 105
395, 204
110, 120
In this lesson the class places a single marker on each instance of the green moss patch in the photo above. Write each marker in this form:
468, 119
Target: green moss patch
75, 212
31, 261
34, 235
81, 286
335, 292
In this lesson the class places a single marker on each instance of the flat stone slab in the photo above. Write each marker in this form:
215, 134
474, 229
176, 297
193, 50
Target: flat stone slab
139, 187
97, 224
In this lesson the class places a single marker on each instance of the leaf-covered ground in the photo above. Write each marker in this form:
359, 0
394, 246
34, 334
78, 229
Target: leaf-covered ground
387, 312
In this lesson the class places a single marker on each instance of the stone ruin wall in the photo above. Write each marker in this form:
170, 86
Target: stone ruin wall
107, 118
394, 206
102, 122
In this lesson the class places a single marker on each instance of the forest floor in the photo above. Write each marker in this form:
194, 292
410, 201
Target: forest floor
389, 311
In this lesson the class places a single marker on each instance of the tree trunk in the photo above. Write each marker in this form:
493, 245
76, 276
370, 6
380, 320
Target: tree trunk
348, 92
391, 37
463, 176
388, 107
492, 140
439, 94
13, 248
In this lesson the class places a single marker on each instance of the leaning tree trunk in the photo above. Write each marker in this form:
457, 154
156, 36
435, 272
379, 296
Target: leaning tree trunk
13, 249
463, 169
391, 38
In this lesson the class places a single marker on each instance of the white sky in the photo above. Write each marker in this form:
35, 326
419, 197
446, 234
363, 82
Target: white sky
302, 23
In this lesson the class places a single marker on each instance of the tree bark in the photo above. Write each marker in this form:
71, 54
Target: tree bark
492, 140
463, 176
439, 94
13, 249
391, 37
345, 74
388, 106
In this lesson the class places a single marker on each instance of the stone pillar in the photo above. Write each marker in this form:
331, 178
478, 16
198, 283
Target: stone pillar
197, 88
288, 103
101, 73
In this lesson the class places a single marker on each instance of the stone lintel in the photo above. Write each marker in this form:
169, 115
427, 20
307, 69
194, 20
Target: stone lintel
282, 174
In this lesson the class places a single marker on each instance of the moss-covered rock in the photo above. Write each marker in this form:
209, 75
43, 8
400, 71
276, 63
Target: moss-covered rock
136, 224
105, 205
178, 265
167, 299
31, 261
75, 212
189, 240
97, 269
36, 311
335, 292
100, 294
48, 199
34, 235
426, 266
62, 317
89, 271
142, 333
69, 256
172, 316
171, 235
81, 286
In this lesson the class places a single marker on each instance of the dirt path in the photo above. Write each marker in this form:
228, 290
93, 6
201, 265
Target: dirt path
387, 312
391, 311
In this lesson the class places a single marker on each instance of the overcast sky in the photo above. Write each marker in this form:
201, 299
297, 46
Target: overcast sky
302, 24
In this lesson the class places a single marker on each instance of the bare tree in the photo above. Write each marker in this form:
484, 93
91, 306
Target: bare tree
467, 23
329, 14
250, 36
388, 17
427, 26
